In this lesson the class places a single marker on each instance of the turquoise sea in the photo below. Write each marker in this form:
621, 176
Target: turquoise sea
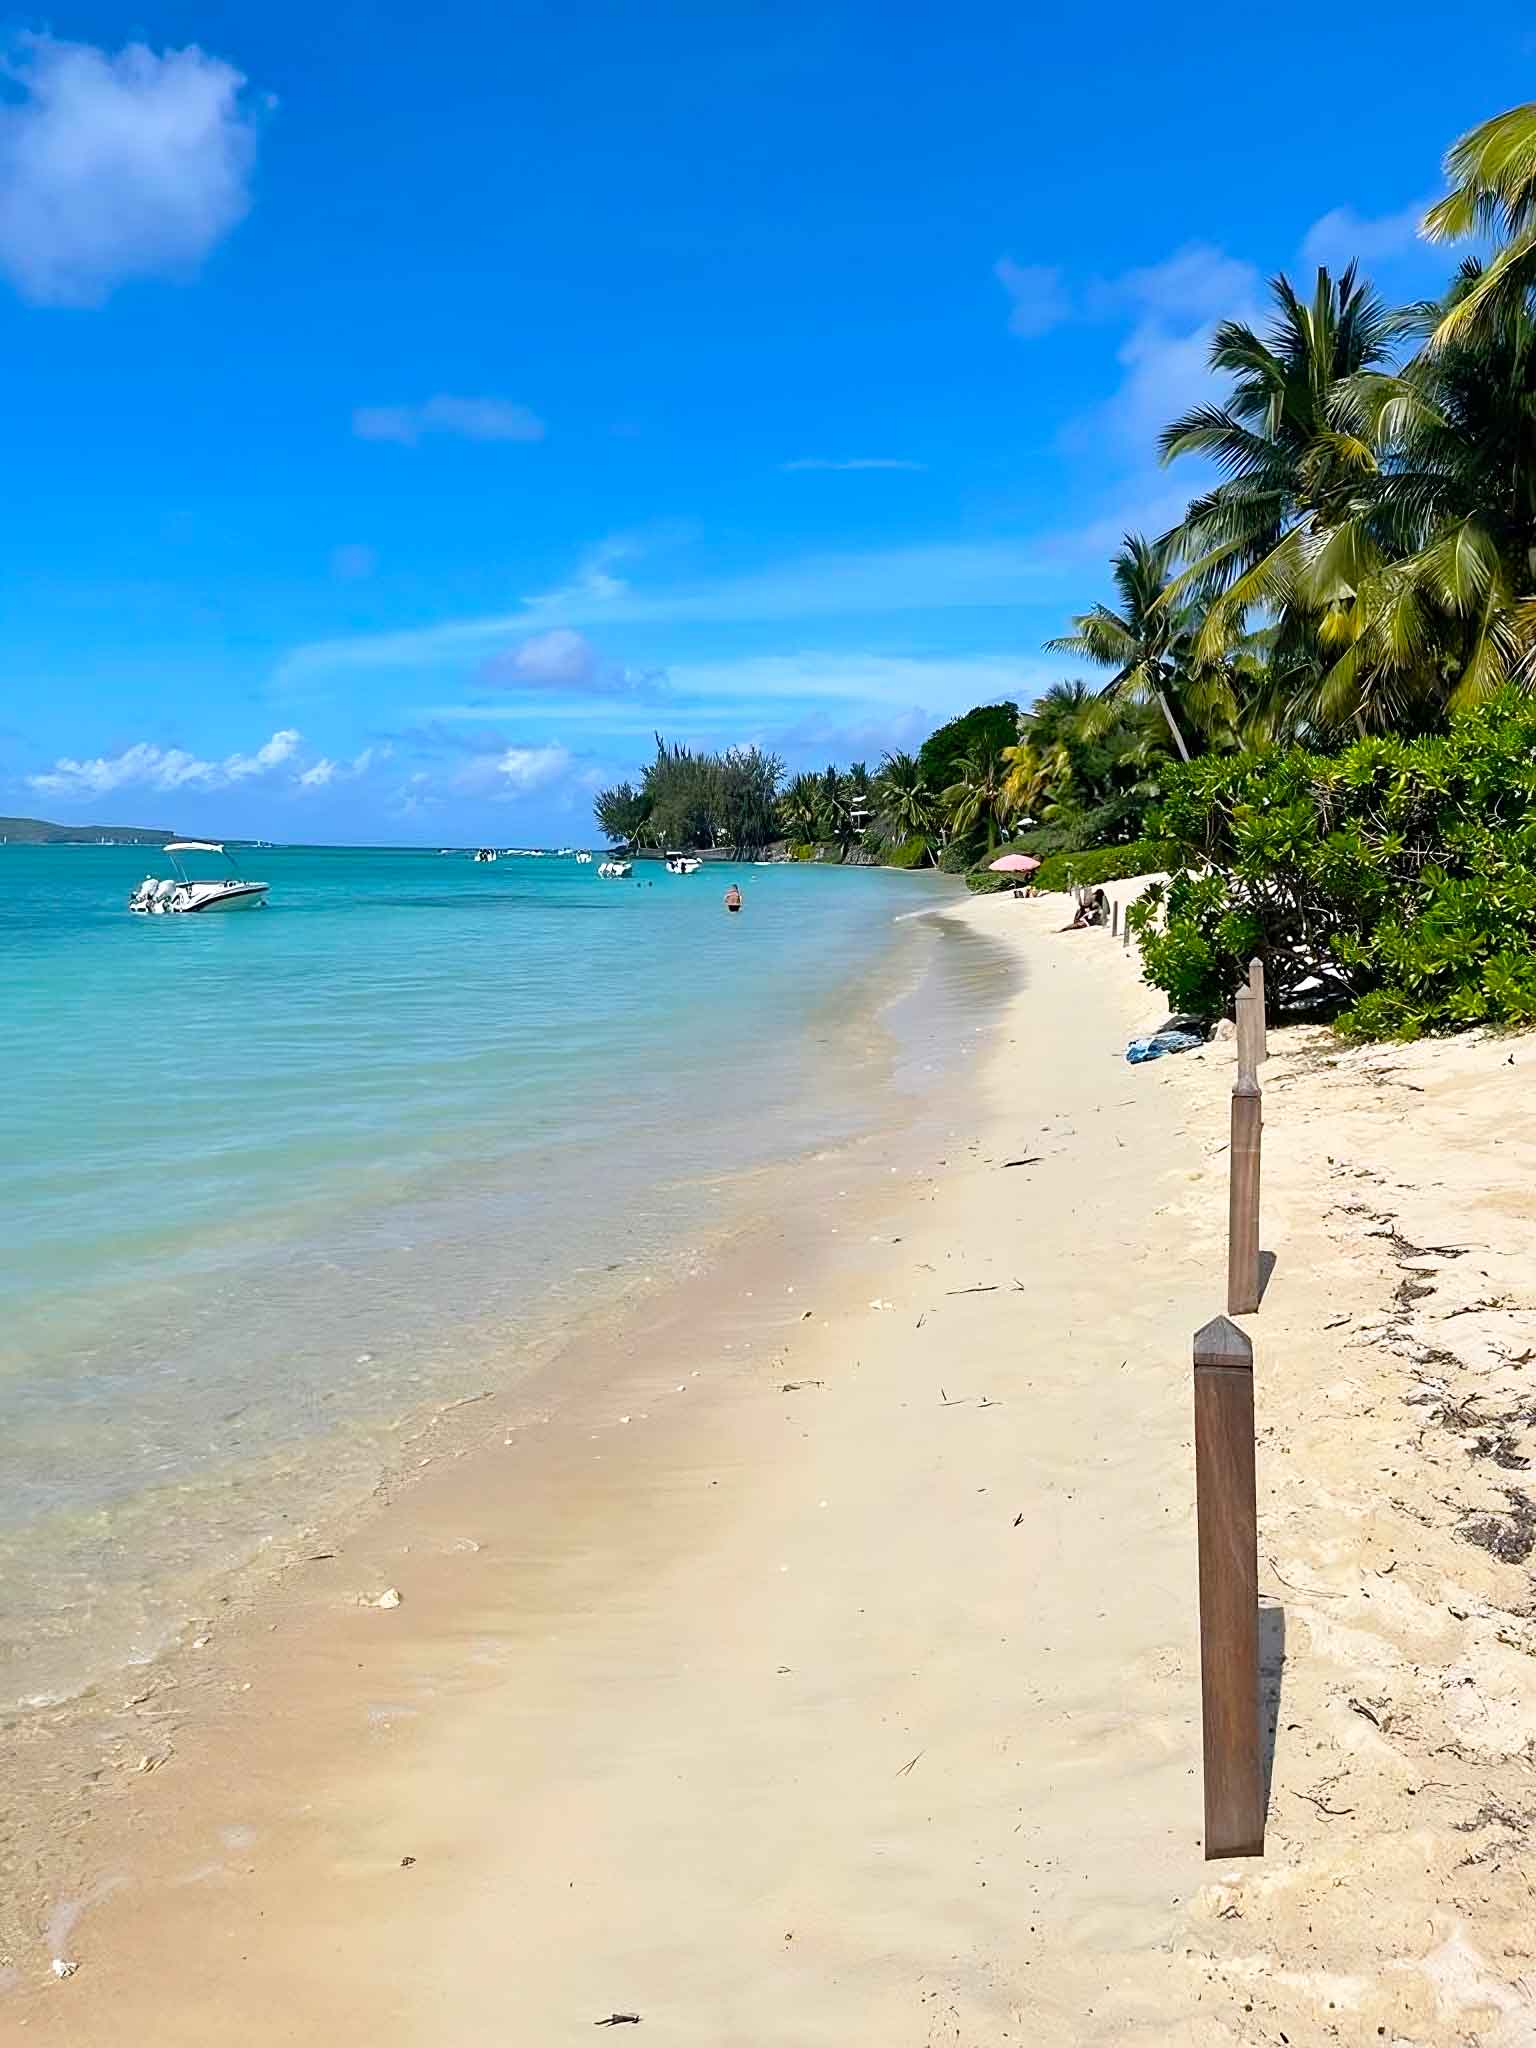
274, 1179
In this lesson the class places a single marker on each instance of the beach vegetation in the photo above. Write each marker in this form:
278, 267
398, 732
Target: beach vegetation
1390, 884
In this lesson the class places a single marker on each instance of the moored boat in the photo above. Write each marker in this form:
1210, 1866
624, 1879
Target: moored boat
178, 894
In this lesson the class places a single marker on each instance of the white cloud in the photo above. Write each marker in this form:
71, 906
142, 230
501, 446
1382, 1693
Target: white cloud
147, 766
558, 659
529, 768
322, 773
1173, 308
1343, 235
471, 419
1039, 295
353, 562
116, 167
514, 771
564, 662
853, 462
1196, 283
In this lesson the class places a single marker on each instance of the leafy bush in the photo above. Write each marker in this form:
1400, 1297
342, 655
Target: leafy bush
957, 857
1105, 864
906, 853
1043, 839
1066, 870
1396, 878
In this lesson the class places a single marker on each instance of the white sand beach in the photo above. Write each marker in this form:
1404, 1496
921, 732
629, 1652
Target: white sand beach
824, 1668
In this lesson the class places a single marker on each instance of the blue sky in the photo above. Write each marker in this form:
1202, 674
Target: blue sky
405, 417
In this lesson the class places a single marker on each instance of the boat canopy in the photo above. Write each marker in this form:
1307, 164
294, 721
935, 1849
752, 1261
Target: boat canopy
191, 846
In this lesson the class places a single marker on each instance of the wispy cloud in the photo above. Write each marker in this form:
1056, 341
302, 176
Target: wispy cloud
772, 693
145, 766
1343, 235
322, 774
878, 582
564, 663
1170, 311
1039, 295
514, 771
116, 166
560, 659
470, 419
852, 462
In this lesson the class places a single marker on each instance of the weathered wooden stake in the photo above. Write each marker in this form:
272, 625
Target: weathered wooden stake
1114, 916
1261, 1023
1243, 1195
1226, 1514
1245, 1016
1125, 931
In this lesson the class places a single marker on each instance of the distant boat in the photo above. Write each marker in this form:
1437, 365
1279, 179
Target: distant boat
159, 896
683, 864
485, 853
583, 860
616, 870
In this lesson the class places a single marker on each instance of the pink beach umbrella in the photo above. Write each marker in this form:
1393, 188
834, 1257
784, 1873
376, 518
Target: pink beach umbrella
1014, 864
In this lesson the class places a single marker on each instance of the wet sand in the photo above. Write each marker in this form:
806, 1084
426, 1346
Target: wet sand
823, 1668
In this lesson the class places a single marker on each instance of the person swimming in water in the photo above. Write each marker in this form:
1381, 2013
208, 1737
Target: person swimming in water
733, 898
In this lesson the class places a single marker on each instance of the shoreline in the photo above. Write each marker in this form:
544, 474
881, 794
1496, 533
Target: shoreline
845, 1687
54, 1744
365, 1313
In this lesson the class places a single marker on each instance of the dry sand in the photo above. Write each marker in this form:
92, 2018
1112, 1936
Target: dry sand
851, 1695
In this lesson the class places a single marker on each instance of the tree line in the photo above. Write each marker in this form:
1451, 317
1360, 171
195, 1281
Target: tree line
1363, 563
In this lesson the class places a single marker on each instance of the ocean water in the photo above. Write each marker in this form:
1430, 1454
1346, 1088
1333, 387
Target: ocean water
273, 1180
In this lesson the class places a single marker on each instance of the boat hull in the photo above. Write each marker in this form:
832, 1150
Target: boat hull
251, 898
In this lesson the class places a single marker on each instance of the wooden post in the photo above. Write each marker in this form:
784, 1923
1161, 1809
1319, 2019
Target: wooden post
1243, 1195
1261, 1025
1226, 1514
1114, 917
1245, 1016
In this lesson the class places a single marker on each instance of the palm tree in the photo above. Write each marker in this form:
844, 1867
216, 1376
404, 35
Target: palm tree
800, 809
1444, 613
1287, 529
834, 816
907, 804
1024, 779
978, 798
1149, 642
1493, 191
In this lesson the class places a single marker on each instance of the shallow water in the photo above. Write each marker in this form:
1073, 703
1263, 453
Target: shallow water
276, 1179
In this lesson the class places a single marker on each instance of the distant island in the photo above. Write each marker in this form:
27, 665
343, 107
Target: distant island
38, 832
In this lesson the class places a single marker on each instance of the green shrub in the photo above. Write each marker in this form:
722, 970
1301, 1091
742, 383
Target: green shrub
1066, 870
1105, 864
1396, 878
906, 853
957, 857
984, 883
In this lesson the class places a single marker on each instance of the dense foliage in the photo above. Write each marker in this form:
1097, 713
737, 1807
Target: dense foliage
1069, 870
1394, 881
984, 731
687, 799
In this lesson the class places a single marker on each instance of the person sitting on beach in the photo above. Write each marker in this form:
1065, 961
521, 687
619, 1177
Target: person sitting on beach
733, 898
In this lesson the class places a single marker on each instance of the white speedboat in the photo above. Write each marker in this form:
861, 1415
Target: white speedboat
616, 870
161, 895
583, 860
485, 853
683, 864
